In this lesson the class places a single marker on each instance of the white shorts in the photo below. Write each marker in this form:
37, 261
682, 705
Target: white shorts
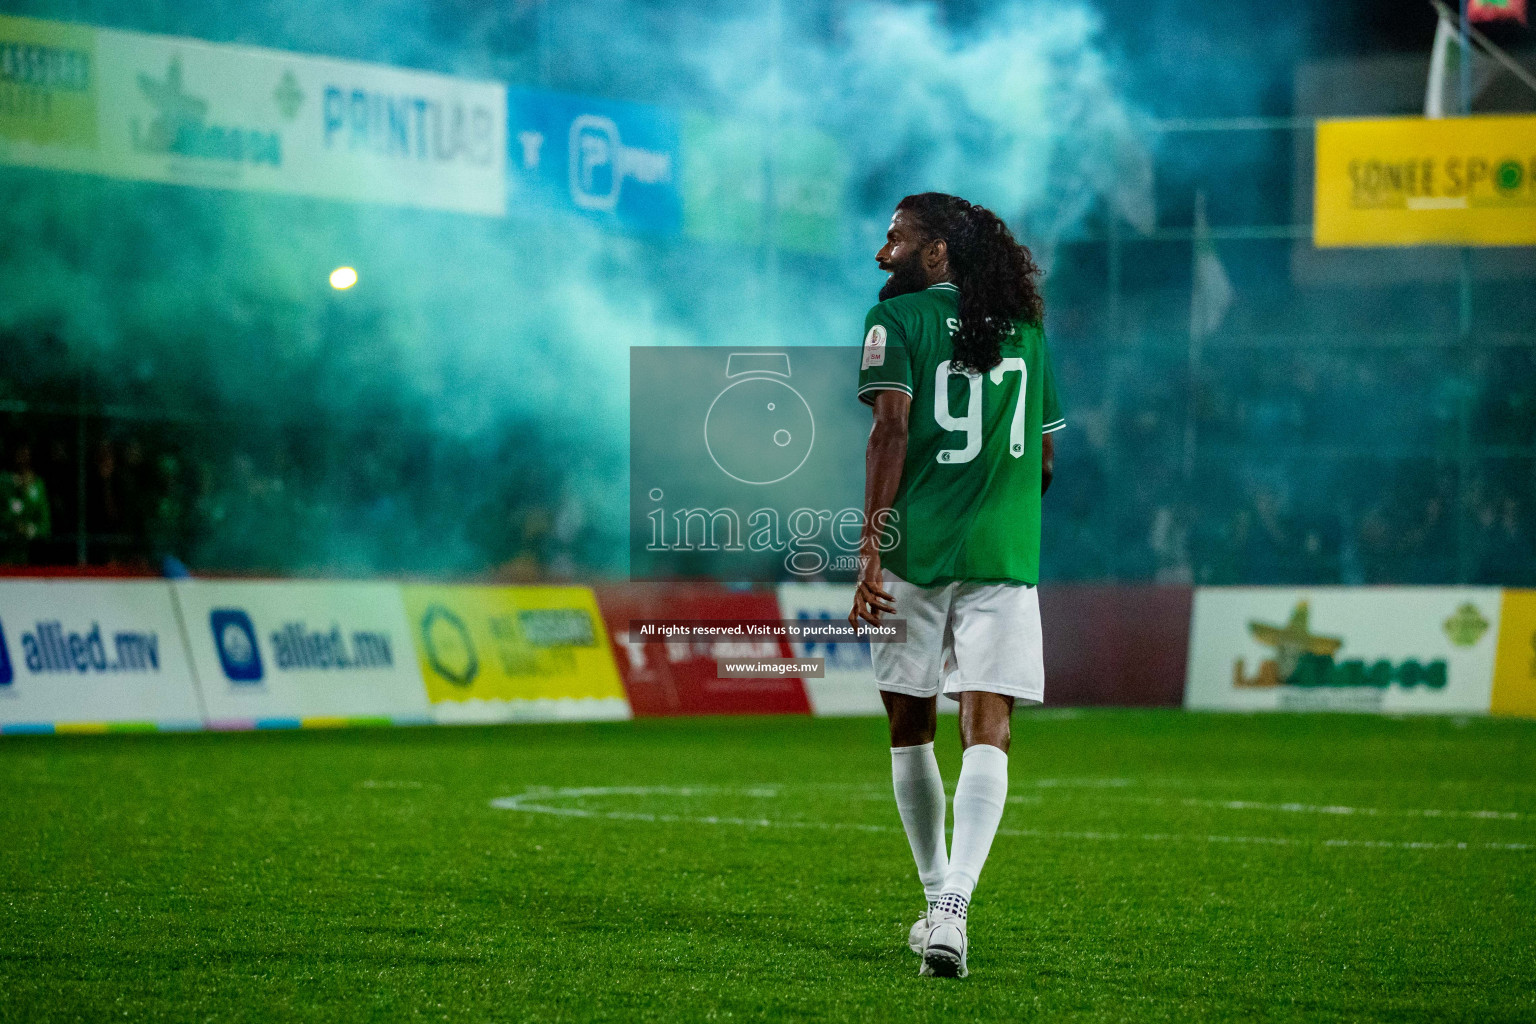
964, 636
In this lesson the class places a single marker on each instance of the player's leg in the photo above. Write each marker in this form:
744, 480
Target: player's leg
997, 663
908, 675
982, 791
919, 793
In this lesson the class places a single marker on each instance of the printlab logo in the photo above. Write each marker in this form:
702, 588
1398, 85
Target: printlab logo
1303, 658
759, 430
181, 127
6, 674
235, 637
449, 648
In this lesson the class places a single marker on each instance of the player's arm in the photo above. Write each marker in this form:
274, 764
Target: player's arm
884, 457
1052, 419
1047, 462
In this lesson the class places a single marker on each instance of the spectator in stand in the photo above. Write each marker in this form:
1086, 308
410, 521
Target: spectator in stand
103, 509
24, 513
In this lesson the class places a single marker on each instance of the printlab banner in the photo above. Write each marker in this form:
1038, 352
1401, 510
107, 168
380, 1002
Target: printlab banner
1385, 649
493, 654
289, 654
180, 111
1466, 181
92, 655
617, 163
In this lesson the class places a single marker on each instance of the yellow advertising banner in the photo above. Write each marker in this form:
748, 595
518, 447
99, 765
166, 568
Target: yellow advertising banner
47, 83
1514, 673
510, 653
1466, 181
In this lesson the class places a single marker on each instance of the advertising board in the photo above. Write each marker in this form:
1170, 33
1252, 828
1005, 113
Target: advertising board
1514, 674
848, 687
92, 656
492, 654
1117, 646
282, 655
1382, 649
1465, 181
182, 111
616, 163
742, 181
681, 677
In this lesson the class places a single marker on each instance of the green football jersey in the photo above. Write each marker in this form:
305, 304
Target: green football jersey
968, 507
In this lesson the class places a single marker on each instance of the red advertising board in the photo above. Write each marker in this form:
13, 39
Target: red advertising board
1115, 645
679, 677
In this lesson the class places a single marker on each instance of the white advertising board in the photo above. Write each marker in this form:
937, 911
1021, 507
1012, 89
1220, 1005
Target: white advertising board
286, 654
1397, 650
89, 653
849, 685
182, 111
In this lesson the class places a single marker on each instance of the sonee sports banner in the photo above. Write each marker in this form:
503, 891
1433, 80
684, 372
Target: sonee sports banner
1468, 181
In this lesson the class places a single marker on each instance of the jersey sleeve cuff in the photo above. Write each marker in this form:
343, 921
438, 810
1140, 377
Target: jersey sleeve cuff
1051, 428
883, 385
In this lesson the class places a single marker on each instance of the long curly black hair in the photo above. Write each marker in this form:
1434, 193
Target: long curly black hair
997, 277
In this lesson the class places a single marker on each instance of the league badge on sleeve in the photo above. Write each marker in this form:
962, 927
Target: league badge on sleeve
874, 347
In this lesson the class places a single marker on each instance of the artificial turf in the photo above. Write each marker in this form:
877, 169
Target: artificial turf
1157, 866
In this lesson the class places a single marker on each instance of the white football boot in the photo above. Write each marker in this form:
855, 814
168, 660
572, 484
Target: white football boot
917, 938
944, 950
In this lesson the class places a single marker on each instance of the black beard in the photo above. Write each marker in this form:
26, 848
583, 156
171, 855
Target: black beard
906, 277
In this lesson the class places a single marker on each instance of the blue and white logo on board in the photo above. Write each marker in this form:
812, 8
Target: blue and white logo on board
235, 637
615, 162
6, 675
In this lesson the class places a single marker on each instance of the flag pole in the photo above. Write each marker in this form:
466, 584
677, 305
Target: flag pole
1488, 47
1463, 461
1465, 63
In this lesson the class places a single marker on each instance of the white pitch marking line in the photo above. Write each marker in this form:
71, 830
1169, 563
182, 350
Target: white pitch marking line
1248, 805
522, 803
1299, 808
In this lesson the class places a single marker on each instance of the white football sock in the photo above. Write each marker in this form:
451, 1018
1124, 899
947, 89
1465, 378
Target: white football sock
979, 799
920, 799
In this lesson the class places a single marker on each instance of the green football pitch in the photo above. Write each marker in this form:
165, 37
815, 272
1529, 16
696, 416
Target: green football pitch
1153, 866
